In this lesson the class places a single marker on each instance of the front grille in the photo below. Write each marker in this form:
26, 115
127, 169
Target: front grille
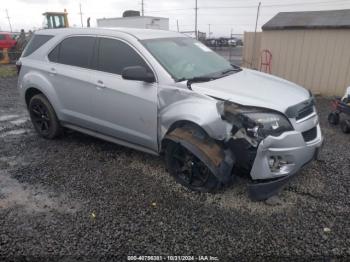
308, 110
310, 134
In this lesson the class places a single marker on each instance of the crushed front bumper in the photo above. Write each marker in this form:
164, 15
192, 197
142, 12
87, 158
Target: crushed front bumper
292, 153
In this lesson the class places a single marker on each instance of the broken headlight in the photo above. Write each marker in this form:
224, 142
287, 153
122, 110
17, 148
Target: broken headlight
273, 124
258, 122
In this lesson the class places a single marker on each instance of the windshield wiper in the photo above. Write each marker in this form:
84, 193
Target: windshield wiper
235, 69
199, 79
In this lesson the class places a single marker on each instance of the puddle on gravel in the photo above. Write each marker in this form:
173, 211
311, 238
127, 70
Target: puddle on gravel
15, 132
31, 198
8, 117
10, 161
19, 121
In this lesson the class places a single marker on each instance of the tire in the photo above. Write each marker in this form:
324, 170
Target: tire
188, 170
43, 117
333, 118
345, 126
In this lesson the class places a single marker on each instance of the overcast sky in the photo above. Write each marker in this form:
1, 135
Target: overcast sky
223, 15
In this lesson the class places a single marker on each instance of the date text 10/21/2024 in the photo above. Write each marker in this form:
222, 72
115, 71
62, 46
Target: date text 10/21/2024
172, 258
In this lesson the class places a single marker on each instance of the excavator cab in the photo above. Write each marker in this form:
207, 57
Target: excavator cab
55, 20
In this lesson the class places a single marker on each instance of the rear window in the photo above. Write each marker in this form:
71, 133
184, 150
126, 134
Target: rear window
75, 51
35, 42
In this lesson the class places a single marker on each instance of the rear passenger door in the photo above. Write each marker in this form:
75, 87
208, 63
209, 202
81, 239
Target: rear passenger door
70, 72
124, 109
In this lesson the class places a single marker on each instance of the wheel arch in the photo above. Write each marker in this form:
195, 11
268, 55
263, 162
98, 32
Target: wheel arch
192, 137
181, 124
36, 83
30, 92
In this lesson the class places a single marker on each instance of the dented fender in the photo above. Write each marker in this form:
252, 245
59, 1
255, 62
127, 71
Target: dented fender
219, 161
181, 104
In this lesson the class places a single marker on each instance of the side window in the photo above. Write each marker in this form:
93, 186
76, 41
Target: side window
115, 55
76, 51
53, 56
34, 43
2, 37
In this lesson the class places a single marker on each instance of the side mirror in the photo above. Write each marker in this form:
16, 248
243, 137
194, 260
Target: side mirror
138, 73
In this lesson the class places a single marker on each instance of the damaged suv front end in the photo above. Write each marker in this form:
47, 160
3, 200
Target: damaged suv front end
231, 119
271, 145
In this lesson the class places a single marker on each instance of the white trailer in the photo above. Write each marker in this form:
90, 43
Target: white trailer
150, 22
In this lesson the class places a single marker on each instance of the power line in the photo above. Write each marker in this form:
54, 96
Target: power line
8, 18
256, 27
254, 6
196, 21
276, 5
142, 8
81, 15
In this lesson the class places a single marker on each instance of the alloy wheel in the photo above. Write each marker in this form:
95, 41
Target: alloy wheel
40, 117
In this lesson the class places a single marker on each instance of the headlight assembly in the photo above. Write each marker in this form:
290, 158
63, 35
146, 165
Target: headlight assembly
273, 124
258, 122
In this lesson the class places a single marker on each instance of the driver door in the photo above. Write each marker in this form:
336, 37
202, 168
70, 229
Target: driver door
124, 109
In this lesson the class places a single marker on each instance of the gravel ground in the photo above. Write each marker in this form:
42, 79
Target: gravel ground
80, 196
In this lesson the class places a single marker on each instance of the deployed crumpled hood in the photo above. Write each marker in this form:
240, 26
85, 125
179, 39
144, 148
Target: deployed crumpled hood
253, 88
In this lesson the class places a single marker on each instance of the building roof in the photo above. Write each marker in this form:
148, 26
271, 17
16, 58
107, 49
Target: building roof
139, 33
335, 19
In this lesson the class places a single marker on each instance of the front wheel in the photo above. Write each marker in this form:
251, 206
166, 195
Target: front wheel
188, 170
43, 117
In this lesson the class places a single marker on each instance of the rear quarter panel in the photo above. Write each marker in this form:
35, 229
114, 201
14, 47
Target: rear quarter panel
34, 74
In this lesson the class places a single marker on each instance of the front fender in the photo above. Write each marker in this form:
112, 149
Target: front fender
184, 105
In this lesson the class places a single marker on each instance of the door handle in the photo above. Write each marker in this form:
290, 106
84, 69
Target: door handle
100, 84
53, 71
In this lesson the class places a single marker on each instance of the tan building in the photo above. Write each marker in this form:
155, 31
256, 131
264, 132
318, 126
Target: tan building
311, 49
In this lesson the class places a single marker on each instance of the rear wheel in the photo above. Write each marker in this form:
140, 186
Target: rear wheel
188, 170
345, 126
333, 118
43, 117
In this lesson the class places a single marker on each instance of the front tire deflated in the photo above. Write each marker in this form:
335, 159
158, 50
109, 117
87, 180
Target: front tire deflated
196, 161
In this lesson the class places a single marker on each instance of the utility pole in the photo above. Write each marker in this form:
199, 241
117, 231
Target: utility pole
142, 9
209, 33
256, 26
177, 23
8, 18
195, 22
81, 16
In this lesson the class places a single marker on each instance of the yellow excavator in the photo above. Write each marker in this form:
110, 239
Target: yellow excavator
52, 20
56, 19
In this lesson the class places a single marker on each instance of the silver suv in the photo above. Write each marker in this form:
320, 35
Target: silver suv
164, 93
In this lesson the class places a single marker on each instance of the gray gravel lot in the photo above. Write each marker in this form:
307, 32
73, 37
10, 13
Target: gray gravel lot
80, 196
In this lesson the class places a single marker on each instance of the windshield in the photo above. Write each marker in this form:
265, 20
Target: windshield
185, 58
